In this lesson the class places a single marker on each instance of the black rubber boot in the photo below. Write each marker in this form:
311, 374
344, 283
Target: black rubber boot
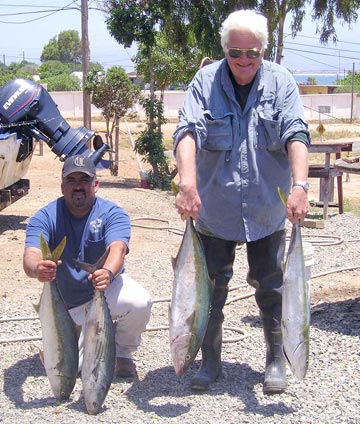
265, 257
220, 255
275, 366
210, 368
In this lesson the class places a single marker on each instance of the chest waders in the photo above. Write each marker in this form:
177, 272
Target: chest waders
265, 258
220, 255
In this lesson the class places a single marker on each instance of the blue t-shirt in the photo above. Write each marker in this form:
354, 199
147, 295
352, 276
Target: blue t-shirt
87, 239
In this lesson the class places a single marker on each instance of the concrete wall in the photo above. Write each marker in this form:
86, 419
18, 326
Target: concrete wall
334, 106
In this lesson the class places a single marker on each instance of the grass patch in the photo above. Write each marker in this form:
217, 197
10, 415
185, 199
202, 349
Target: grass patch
351, 206
332, 135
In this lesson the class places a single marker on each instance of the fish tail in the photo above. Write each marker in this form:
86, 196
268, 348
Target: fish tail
93, 267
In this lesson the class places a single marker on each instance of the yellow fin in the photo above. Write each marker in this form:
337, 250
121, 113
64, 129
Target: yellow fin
282, 196
45, 250
78, 329
41, 354
59, 250
174, 188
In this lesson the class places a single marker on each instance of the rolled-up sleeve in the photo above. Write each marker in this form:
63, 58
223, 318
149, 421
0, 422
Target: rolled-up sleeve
192, 115
292, 115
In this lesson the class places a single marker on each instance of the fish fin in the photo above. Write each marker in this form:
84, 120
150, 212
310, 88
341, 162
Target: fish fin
286, 357
85, 266
59, 250
45, 250
36, 306
174, 188
190, 319
282, 196
41, 354
78, 329
93, 267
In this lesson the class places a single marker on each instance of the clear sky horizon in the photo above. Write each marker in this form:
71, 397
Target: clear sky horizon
26, 29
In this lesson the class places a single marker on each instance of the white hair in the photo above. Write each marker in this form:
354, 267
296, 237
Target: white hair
248, 20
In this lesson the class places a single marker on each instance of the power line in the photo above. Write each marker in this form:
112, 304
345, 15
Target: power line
314, 60
67, 7
317, 38
323, 47
39, 11
322, 54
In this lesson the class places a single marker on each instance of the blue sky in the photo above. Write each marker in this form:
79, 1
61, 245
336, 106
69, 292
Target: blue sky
25, 35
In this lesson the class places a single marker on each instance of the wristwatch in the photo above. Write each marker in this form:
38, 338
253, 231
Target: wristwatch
304, 184
111, 275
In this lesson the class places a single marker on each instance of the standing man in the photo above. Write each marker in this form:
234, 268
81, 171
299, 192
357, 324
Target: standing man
91, 225
241, 135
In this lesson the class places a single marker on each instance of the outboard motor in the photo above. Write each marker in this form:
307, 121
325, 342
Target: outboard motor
24, 101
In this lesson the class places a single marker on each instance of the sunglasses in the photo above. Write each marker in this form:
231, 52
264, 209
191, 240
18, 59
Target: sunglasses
250, 53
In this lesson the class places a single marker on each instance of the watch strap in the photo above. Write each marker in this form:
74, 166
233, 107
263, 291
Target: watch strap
111, 275
304, 184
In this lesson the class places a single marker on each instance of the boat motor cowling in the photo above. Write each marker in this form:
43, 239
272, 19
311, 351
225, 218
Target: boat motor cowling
24, 101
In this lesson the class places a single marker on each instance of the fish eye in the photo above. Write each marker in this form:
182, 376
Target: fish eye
187, 357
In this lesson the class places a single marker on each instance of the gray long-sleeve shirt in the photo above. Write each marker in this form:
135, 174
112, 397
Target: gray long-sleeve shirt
241, 154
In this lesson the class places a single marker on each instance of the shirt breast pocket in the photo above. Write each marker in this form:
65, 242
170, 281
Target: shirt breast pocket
219, 132
94, 249
268, 134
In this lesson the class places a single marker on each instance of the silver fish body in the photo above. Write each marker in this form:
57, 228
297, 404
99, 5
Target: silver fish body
190, 302
60, 344
99, 353
99, 345
295, 323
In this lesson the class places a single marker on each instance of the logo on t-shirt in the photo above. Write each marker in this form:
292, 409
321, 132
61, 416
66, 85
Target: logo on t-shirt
95, 225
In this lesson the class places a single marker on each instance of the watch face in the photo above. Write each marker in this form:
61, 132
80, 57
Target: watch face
304, 185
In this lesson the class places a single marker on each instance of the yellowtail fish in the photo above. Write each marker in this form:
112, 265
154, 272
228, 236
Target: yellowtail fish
190, 302
99, 346
60, 354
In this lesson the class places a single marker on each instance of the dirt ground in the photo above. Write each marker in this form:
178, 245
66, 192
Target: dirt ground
44, 175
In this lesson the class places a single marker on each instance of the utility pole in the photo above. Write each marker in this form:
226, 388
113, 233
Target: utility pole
352, 93
85, 62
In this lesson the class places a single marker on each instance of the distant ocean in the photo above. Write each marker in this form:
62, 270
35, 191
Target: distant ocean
321, 79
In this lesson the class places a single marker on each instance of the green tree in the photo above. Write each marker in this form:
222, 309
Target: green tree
205, 18
62, 82
160, 176
66, 48
311, 81
69, 44
132, 21
347, 83
50, 51
23, 69
5, 77
53, 68
171, 66
113, 93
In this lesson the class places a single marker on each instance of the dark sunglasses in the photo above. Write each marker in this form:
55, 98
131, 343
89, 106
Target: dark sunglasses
250, 53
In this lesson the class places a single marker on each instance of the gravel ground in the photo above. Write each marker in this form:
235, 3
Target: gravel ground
328, 394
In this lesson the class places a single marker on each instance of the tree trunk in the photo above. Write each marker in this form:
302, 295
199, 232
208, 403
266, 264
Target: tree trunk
280, 40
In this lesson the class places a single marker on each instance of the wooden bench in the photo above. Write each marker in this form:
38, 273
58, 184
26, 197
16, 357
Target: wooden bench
327, 172
327, 175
